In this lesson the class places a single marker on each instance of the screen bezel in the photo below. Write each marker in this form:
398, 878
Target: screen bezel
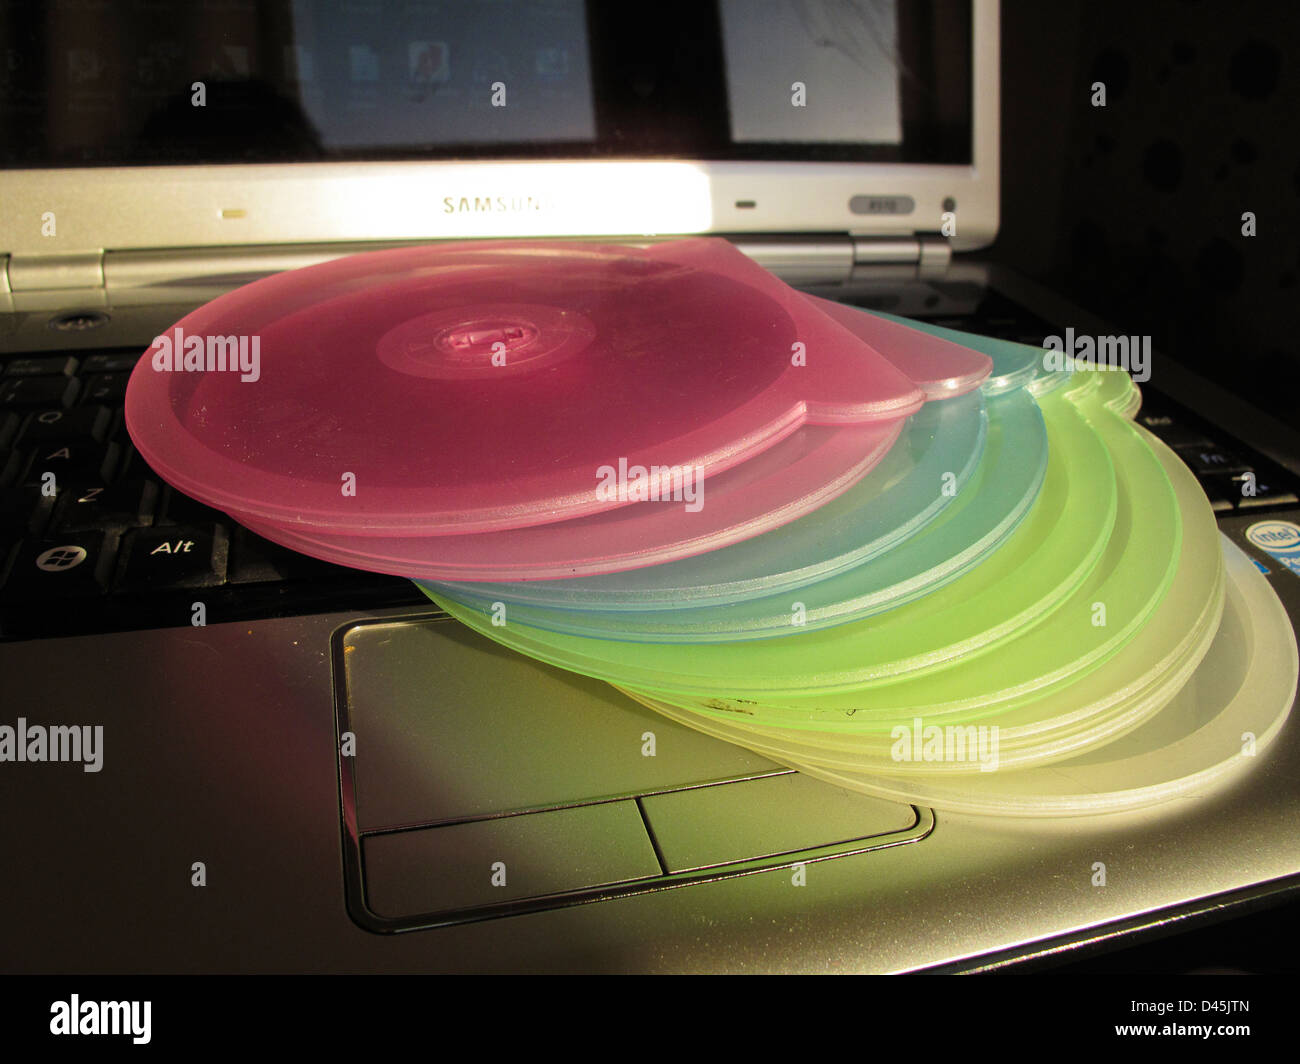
162, 207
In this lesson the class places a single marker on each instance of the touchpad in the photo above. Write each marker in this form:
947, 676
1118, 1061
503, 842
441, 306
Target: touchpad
449, 726
477, 782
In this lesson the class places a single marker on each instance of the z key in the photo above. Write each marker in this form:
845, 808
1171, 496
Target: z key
128, 503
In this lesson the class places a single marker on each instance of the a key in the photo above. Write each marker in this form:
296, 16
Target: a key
73, 464
173, 557
75, 565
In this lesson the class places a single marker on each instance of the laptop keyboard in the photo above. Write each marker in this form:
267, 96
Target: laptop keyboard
91, 540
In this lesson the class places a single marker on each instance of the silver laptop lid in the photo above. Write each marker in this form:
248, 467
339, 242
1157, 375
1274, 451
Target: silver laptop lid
147, 139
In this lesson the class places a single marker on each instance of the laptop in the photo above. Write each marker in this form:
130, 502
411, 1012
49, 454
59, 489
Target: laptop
268, 763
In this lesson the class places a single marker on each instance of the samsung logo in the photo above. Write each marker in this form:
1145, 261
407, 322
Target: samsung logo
492, 204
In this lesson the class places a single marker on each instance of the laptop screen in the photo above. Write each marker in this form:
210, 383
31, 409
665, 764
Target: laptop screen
153, 83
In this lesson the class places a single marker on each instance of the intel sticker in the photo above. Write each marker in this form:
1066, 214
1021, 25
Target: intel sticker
1278, 539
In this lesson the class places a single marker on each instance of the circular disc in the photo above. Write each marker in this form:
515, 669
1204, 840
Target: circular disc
1059, 722
801, 473
1099, 614
895, 500
1245, 685
482, 386
1023, 362
1058, 557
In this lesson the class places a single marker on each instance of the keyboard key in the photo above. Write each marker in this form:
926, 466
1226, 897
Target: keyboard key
1254, 502
1172, 431
126, 504
1210, 459
8, 546
122, 363
12, 466
29, 393
255, 560
172, 557
106, 388
1251, 491
9, 422
85, 424
24, 511
71, 566
73, 464
1220, 502
179, 509
54, 366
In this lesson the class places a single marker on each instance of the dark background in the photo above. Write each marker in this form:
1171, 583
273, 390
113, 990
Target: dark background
1134, 210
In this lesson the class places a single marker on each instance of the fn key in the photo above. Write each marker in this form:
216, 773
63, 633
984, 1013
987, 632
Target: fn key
177, 556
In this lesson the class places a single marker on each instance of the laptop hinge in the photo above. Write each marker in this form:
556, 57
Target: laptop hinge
930, 252
824, 259
837, 259
46, 273
816, 259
